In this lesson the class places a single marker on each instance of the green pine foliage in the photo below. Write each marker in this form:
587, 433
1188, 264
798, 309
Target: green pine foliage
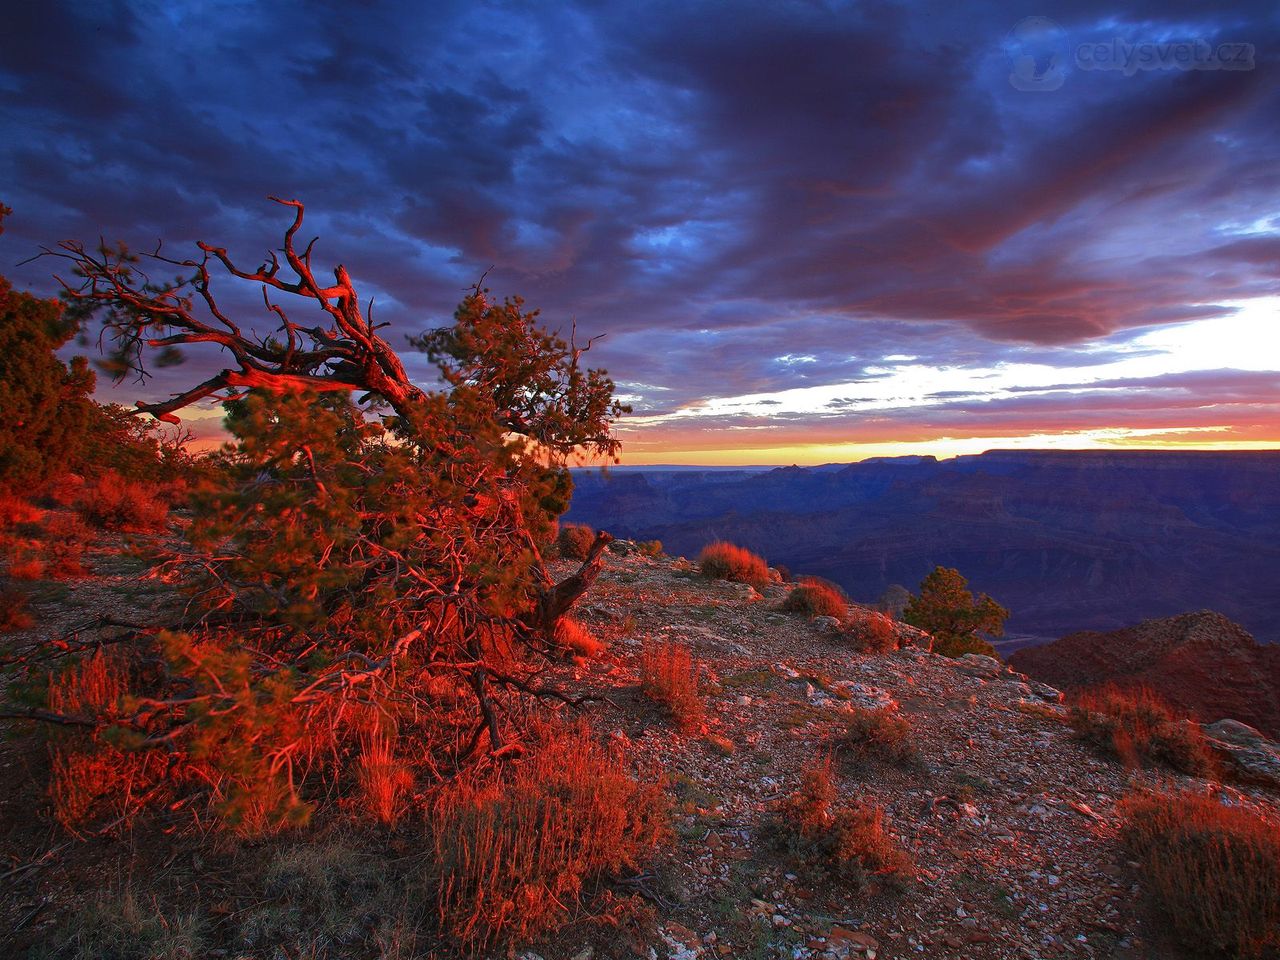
947, 609
45, 402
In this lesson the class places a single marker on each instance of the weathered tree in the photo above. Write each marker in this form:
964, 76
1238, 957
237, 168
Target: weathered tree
532, 381
380, 543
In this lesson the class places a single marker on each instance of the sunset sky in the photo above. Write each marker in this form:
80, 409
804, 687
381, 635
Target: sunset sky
812, 232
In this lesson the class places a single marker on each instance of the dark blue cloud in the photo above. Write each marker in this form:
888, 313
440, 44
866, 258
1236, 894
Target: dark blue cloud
716, 186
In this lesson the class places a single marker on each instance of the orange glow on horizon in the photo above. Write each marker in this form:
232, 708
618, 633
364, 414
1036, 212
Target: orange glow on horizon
813, 454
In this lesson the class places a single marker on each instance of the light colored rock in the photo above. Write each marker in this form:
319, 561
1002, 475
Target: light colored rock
1250, 754
1045, 692
977, 665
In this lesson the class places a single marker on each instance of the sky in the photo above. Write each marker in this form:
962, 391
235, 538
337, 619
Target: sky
809, 232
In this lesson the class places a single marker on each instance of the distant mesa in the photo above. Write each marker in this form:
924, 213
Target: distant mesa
1200, 662
1067, 540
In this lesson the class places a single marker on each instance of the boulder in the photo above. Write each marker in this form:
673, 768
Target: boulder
1245, 751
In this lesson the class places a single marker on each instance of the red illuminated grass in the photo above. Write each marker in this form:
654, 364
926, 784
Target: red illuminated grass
577, 639
816, 598
1139, 728
1214, 871
112, 502
669, 675
871, 632
725, 561
848, 841
513, 849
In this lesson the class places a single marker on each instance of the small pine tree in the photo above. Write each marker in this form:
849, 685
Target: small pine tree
947, 609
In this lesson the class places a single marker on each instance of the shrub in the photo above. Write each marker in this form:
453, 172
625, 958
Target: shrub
574, 540
871, 632
114, 503
512, 853
1213, 870
1136, 726
724, 561
577, 639
816, 598
669, 675
650, 548
878, 733
848, 842
64, 539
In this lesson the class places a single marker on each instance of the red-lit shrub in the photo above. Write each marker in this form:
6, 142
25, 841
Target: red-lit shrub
877, 733
669, 675
870, 632
848, 841
1138, 727
650, 548
63, 541
574, 540
577, 639
814, 597
1212, 870
114, 503
724, 561
512, 850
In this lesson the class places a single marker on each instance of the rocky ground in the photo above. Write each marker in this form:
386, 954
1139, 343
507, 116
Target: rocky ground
1010, 820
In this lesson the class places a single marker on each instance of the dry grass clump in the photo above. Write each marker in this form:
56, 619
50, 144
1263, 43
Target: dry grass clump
871, 632
848, 842
815, 597
114, 503
1214, 871
878, 733
1138, 727
383, 778
725, 561
512, 852
572, 636
120, 926
574, 540
650, 548
669, 675
88, 770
